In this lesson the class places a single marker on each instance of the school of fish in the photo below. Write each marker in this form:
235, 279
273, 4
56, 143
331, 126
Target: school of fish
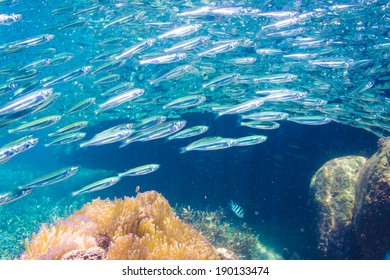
147, 63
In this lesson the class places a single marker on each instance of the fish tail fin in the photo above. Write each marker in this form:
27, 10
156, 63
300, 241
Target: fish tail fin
183, 150
11, 130
153, 82
217, 116
125, 143
75, 193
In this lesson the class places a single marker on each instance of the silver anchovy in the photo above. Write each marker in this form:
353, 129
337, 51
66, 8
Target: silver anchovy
120, 99
69, 128
9, 19
185, 102
108, 79
16, 147
189, 132
29, 101
209, 144
99, 185
149, 122
222, 48
310, 120
267, 116
37, 124
81, 105
33, 41
140, 170
113, 129
66, 139
52, 178
164, 59
109, 66
60, 58
122, 20
118, 89
243, 107
156, 132
176, 73
13, 195
69, 76
181, 31
37, 64
287, 95
222, 80
144, 45
250, 140
276, 79
188, 44
108, 138
261, 124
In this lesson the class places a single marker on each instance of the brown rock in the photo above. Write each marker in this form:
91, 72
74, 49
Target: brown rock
371, 214
332, 194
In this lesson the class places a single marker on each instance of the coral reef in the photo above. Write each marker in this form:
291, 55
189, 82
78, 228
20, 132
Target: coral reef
233, 242
332, 195
371, 214
19, 219
144, 227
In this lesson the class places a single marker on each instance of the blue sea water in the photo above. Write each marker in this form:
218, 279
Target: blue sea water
270, 181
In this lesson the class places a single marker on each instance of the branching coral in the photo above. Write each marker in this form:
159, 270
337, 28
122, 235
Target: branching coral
144, 227
225, 235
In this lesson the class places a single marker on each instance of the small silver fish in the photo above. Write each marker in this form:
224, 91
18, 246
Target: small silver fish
81, 105
29, 101
267, 116
118, 88
188, 44
185, 102
70, 76
66, 139
13, 195
175, 73
108, 138
9, 19
310, 120
144, 45
209, 144
222, 48
99, 185
156, 132
189, 132
243, 107
120, 99
37, 124
140, 170
261, 124
181, 31
16, 147
149, 122
52, 178
250, 140
69, 128
164, 59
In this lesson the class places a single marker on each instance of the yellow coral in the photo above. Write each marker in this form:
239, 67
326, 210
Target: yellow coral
144, 227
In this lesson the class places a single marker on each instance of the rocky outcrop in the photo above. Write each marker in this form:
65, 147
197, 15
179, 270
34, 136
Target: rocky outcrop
371, 214
332, 195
